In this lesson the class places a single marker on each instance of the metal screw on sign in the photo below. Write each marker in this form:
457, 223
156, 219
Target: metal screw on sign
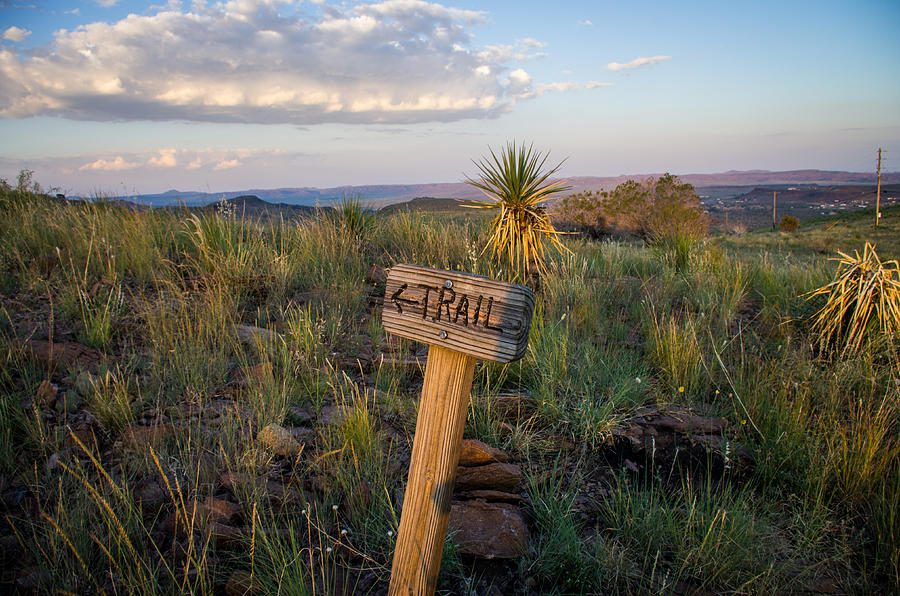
475, 317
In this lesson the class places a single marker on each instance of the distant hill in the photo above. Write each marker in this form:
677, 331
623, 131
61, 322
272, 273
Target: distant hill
427, 204
387, 194
252, 205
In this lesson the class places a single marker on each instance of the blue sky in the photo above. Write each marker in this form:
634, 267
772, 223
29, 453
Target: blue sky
135, 97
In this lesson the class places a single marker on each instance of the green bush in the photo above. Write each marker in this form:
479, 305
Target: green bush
788, 223
663, 208
583, 212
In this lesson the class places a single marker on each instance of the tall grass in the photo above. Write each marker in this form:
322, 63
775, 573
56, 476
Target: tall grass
616, 327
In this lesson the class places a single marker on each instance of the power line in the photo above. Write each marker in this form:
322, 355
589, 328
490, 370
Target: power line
878, 191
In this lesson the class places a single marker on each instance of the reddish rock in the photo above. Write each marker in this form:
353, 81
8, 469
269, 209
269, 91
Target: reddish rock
149, 495
64, 354
690, 424
476, 453
140, 437
258, 374
376, 275
220, 511
496, 476
81, 433
488, 530
280, 441
226, 537
489, 495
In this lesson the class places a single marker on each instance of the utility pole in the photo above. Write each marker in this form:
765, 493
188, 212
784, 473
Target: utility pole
878, 191
774, 223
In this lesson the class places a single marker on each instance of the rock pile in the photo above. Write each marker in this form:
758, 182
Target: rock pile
485, 518
670, 435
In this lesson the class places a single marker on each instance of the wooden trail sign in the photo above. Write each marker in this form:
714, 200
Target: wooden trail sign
462, 317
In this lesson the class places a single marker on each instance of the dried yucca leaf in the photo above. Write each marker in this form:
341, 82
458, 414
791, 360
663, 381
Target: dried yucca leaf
863, 297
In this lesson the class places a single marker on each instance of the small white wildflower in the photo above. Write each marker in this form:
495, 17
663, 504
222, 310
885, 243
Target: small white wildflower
327, 549
637, 380
390, 533
334, 507
343, 532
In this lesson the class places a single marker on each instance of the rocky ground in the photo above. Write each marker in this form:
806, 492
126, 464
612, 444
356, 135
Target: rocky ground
490, 523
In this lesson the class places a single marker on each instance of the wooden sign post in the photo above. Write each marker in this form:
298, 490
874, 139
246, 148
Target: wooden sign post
462, 317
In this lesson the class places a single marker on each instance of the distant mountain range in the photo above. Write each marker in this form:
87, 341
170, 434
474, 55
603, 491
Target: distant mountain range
387, 194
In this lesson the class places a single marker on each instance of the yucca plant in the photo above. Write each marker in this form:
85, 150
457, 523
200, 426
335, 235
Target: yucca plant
515, 181
353, 217
864, 295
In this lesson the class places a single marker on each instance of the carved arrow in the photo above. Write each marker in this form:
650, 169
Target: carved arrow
396, 299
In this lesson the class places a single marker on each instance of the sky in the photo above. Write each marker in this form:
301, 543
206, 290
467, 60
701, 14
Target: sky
126, 97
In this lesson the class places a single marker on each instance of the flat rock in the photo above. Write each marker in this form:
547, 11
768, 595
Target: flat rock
488, 530
63, 354
139, 437
279, 440
668, 432
226, 537
674, 422
495, 496
249, 335
220, 511
149, 495
496, 476
300, 416
476, 453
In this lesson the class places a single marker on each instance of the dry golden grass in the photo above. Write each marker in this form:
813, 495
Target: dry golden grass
864, 294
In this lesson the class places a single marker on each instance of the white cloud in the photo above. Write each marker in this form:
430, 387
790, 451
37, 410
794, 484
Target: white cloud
560, 86
397, 61
637, 63
227, 164
15, 34
586, 23
114, 165
107, 3
596, 84
165, 159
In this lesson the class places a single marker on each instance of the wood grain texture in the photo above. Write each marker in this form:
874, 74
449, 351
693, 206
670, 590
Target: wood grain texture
432, 472
468, 313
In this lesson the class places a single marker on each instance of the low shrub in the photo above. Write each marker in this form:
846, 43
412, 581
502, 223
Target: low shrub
788, 223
